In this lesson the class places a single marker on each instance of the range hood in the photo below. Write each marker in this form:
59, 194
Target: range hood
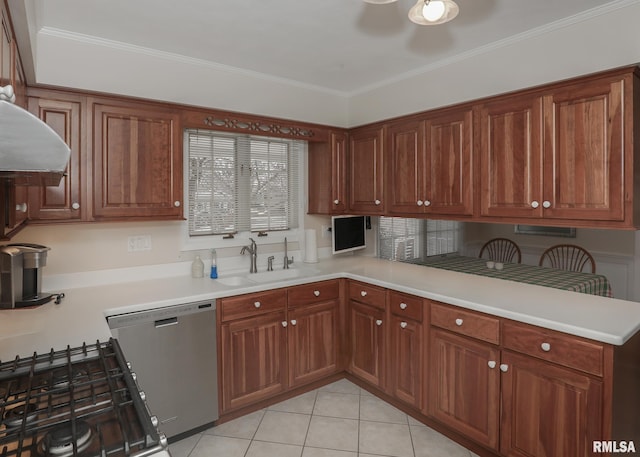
31, 153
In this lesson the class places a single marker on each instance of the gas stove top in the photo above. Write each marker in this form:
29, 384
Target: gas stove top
75, 402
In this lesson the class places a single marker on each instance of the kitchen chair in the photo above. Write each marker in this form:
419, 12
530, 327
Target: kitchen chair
567, 257
501, 250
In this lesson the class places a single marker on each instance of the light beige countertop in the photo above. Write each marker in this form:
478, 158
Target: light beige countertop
81, 317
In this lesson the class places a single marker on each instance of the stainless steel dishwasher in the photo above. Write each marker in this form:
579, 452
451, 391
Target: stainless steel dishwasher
172, 350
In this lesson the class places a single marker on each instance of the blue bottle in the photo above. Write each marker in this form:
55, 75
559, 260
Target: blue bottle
214, 264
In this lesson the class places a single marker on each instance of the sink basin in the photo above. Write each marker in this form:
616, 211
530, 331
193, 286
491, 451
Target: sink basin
234, 281
279, 275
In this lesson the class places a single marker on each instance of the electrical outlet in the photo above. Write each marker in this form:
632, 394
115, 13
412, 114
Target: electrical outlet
139, 243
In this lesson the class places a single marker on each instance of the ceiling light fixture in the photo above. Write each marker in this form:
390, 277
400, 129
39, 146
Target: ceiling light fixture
428, 12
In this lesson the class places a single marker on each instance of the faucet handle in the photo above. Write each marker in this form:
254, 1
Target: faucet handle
270, 263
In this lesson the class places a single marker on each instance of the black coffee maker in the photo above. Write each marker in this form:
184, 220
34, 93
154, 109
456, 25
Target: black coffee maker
21, 275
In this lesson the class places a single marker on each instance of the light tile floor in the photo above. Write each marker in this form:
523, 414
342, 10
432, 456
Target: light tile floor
337, 420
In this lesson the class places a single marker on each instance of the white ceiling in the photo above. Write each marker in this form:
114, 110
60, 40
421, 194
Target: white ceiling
344, 46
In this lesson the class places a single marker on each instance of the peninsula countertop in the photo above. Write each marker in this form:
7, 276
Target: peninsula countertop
82, 315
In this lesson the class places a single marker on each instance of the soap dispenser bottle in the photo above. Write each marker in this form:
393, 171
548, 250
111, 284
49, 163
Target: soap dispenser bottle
214, 264
197, 268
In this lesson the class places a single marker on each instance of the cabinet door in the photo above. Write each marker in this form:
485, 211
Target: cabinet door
406, 360
449, 146
584, 152
405, 161
548, 410
328, 175
64, 202
253, 359
464, 388
137, 163
511, 157
313, 342
366, 173
367, 326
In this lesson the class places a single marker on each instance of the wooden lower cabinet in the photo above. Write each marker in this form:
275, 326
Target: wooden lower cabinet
464, 387
406, 360
313, 342
253, 359
548, 410
367, 332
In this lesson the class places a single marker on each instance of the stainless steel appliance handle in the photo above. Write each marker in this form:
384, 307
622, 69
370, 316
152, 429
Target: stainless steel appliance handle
166, 322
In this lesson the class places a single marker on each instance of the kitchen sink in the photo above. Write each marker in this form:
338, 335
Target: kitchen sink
279, 275
234, 281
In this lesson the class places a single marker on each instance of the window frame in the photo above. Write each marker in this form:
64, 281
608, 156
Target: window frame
241, 238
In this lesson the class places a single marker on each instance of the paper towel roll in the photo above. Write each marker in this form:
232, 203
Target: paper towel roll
310, 246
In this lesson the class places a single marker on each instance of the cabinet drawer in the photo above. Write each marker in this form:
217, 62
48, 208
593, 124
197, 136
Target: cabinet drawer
567, 350
314, 293
406, 306
469, 323
253, 304
365, 293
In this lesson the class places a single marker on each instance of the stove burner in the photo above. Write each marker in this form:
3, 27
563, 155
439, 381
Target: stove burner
60, 378
14, 417
59, 441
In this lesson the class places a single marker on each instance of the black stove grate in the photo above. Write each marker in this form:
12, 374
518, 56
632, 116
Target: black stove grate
62, 392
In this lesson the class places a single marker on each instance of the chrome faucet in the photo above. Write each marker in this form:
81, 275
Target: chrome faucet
287, 262
253, 250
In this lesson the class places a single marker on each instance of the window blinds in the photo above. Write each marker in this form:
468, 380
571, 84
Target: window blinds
406, 239
241, 182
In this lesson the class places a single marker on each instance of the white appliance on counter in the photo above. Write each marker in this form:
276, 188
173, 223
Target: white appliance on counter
173, 352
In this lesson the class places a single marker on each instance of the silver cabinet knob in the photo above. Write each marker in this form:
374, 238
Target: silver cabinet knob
176, 203
379, 322
546, 204
403, 306
504, 367
316, 293
492, 364
420, 202
534, 204
459, 322
336, 202
294, 322
284, 323
403, 325
257, 304
427, 203
546, 347
363, 293
377, 202
21, 207
75, 205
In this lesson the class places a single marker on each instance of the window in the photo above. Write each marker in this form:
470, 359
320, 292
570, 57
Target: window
412, 240
241, 182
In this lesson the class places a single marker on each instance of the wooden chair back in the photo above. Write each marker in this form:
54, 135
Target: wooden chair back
568, 257
501, 250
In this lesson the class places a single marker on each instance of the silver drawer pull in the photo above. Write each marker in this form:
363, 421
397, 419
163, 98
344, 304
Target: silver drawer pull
363, 293
379, 322
459, 322
257, 304
403, 325
316, 293
492, 364
546, 347
403, 306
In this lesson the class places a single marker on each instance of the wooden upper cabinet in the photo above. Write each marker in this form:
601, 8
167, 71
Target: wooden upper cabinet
328, 175
564, 154
511, 157
67, 201
429, 165
366, 174
137, 162
449, 148
585, 152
